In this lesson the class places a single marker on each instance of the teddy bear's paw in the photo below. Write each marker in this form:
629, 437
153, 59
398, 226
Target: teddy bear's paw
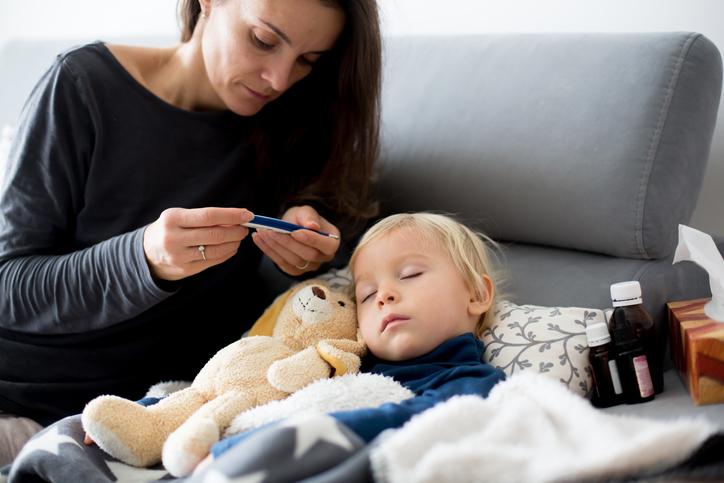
281, 377
295, 372
188, 445
124, 429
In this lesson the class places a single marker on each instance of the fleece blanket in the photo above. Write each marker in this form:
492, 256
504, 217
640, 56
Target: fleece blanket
530, 429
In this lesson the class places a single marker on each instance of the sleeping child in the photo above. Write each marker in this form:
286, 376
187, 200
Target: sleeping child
424, 290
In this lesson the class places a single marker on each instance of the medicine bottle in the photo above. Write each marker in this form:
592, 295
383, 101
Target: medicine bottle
627, 302
607, 383
633, 367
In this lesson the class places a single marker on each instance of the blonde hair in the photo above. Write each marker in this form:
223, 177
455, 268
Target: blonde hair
471, 251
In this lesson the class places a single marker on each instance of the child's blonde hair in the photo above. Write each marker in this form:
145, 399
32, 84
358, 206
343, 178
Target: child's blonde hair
471, 251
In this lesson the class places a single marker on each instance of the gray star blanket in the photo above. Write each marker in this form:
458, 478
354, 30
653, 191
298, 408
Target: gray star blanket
305, 448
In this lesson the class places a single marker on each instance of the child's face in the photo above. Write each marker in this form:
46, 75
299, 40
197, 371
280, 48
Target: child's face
411, 297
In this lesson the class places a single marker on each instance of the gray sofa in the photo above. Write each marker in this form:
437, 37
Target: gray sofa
581, 153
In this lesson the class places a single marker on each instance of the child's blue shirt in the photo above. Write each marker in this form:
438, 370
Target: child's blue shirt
454, 368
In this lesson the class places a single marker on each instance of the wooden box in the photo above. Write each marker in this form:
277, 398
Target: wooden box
697, 349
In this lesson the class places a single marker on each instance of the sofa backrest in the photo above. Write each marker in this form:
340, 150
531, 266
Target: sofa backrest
594, 142
23, 62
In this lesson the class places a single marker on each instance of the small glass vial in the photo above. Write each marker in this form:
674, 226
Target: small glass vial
633, 367
607, 383
627, 301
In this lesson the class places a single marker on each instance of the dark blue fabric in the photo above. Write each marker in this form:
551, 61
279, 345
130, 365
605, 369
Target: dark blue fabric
455, 358
149, 401
454, 368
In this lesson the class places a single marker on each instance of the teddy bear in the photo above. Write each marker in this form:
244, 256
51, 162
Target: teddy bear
309, 333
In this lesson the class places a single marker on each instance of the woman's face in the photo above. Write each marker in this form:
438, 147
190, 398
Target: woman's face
254, 50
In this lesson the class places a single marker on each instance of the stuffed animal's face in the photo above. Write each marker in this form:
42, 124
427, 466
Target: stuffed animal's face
313, 313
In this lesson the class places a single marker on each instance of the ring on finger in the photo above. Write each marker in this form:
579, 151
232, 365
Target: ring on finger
202, 250
303, 266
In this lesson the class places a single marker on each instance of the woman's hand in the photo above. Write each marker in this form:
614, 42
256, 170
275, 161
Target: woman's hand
302, 251
172, 242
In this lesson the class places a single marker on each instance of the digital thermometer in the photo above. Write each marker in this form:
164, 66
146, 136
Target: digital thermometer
272, 224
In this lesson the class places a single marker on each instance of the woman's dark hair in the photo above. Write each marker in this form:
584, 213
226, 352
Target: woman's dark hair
320, 139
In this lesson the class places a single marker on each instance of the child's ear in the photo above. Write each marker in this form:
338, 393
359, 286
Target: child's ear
480, 303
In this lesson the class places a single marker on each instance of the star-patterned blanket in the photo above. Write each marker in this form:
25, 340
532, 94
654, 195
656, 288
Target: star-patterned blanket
300, 448
525, 427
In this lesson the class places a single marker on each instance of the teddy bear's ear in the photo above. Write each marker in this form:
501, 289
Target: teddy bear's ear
265, 324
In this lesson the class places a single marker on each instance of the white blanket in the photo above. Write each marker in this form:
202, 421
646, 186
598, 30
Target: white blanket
531, 429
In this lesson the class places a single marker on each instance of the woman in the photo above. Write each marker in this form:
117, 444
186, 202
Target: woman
123, 261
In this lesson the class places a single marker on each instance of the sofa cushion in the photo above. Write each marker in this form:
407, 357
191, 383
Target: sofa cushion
594, 142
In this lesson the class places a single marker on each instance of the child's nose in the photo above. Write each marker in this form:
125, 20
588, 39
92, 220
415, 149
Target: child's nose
387, 297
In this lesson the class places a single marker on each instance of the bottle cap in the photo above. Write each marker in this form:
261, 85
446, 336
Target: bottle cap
626, 293
597, 334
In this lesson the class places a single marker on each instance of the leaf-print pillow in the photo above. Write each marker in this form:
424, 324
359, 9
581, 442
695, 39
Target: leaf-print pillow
549, 340
337, 278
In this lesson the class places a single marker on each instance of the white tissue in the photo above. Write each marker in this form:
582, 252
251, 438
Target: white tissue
698, 247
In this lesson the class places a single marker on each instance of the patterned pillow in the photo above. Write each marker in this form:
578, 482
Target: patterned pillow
338, 279
549, 340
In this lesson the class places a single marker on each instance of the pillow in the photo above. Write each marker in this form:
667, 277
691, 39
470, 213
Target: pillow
549, 340
338, 279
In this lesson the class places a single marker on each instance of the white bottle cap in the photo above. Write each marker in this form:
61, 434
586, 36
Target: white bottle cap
597, 334
626, 293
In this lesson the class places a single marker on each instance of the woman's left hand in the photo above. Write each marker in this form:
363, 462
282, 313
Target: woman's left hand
302, 251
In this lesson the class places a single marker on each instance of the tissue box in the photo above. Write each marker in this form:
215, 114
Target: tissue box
697, 349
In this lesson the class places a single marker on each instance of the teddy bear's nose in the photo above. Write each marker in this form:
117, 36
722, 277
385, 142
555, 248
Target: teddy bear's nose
319, 292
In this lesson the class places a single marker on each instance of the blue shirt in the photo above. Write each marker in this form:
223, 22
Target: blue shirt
454, 368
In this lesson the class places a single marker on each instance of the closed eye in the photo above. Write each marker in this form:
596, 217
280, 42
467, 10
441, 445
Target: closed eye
261, 44
264, 46
412, 276
367, 297
305, 61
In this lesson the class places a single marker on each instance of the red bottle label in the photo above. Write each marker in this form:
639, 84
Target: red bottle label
641, 366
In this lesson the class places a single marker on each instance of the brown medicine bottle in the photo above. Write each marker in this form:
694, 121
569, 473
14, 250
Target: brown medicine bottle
627, 302
631, 360
606, 380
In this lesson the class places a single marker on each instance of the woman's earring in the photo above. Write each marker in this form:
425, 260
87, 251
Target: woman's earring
203, 14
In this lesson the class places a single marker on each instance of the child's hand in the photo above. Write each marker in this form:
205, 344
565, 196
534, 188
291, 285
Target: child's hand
87, 440
302, 251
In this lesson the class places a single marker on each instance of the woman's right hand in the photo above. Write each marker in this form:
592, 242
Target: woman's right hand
172, 242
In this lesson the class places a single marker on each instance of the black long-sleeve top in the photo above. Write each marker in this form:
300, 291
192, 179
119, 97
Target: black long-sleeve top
96, 158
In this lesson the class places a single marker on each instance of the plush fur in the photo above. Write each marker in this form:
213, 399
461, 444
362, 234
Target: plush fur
314, 336
345, 393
